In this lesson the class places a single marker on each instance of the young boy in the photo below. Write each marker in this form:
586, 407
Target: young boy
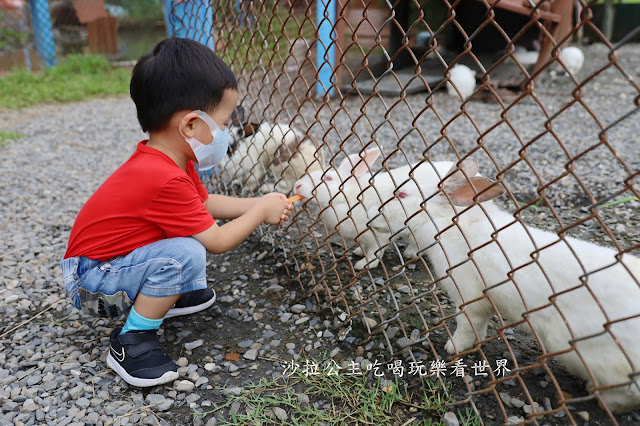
140, 241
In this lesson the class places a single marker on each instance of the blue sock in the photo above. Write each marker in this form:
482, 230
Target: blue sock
135, 321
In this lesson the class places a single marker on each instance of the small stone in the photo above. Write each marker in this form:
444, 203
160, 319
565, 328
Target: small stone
369, 322
544, 384
28, 406
276, 288
76, 392
235, 407
403, 342
517, 403
547, 404
450, 419
233, 390
296, 309
506, 398
584, 415
251, 354
528, 409
185, 386
192, 345
303, 399
201, 381
285, 317
514, 420
182, 362
280, 413
245, 343
406, 290
392, 331
83, 403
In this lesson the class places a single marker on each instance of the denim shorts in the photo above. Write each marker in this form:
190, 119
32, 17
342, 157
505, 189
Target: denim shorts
108, 288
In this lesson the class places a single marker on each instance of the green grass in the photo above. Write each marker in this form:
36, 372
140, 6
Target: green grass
621, 201
6, 137
77, 77
352, 401
267, 41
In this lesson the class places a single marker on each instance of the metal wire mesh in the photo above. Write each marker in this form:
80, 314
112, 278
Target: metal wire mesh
402, 246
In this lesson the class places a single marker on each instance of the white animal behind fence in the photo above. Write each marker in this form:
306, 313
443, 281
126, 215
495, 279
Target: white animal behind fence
277, 150
576, 296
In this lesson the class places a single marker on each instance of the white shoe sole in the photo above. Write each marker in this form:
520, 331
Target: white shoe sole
176, 312
167, 377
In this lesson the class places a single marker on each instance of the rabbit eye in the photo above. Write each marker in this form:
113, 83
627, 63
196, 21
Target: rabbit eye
402, 194
327, 178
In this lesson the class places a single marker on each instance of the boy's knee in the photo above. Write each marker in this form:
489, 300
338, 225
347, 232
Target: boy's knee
194, 254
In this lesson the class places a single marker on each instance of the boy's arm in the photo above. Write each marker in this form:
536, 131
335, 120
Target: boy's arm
224, 207
269, 209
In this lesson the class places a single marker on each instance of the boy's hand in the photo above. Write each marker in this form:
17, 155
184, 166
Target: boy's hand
276, 207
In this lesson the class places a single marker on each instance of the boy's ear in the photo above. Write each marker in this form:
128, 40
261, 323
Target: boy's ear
186, 125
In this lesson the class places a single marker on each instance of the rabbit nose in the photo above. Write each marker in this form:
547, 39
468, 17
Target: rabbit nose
298, 187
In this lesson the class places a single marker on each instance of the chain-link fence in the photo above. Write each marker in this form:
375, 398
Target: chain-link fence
470, 199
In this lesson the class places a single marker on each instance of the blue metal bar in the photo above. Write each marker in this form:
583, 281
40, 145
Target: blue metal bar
191, 19
43, 31
326, 46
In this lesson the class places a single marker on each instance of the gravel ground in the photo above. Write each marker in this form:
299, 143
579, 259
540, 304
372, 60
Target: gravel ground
52, 366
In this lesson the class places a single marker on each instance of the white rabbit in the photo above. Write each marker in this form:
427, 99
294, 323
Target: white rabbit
344, 195
532, 276
401, 223
279, 147
292, 160
464, 80
572, 58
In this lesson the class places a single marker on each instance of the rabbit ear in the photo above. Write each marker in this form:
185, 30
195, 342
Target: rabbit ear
465, 191
250, 128
359, 165
290, 145
455, 176
238, 117
478, 190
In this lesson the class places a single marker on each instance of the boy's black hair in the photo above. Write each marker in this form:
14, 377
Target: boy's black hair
178, 74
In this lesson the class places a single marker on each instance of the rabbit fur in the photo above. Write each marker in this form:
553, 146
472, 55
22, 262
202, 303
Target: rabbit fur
344, 196
543, 284
464, 79
283, 150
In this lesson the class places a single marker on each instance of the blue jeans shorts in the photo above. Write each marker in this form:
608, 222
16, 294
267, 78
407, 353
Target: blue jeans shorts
108, 288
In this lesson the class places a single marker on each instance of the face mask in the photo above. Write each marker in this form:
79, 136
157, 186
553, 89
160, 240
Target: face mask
209, 155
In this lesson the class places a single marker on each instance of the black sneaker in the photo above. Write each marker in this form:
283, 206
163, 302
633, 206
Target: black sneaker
138, 358
192, 302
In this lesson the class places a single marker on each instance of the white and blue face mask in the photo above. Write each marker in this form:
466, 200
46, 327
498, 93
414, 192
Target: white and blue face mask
209, 155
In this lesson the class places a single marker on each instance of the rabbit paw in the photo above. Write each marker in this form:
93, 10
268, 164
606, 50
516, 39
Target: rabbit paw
358, 251
362, 263
449, 347
462, 342
410, 252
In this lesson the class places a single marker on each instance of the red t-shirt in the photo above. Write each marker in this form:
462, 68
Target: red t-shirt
149, 198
